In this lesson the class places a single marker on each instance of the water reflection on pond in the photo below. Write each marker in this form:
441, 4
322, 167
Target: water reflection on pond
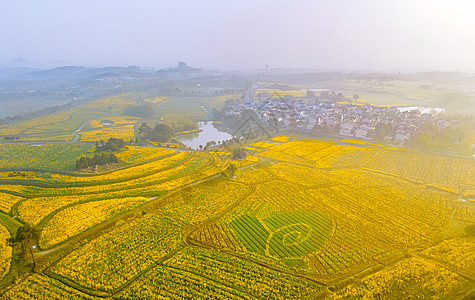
209, 133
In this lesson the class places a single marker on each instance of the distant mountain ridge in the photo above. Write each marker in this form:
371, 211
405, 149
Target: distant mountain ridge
21, 63
86, 72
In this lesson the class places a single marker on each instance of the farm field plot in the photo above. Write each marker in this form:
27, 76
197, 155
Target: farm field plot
180, 285
412, 276
300, 220
184, 108
261, 145
142, 154
7, 201
76, 219
343, 156
62, 125
39, 286
196, 163
281, 139
114, 104
168, 160
111, 121
44, 156
248, 277
125, 132
5, 252
195, 205
115, 258
63, 122
280, 93
429, 168
457, 253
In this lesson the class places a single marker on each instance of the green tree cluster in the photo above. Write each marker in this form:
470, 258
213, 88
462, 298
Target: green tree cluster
24, 238
161, 133
457, 138
146, 111
239, 153
98, 159
113, 144
382, 129
184, 125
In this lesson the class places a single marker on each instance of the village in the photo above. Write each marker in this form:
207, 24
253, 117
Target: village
358, 120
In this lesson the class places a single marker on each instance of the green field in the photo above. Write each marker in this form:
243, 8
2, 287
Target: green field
44, 156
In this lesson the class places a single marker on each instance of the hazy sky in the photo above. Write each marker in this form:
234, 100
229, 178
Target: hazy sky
330, 34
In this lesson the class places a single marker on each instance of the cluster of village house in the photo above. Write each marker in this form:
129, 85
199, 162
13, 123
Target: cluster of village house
348, 120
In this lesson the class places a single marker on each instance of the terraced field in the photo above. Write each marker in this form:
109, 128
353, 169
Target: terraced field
300, 220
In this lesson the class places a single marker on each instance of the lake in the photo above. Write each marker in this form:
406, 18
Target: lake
209, 133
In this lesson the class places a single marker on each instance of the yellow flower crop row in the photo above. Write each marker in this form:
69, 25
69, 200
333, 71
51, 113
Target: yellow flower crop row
356, 142
281, 139
115, 258
142, 154
7, 201
5, 252
125, 132
110, 104
409, 277
33, 210
261, 145
243, 275
122, 174
198, 161
280, 156
346, 156
459, 253
169, 283
429, 168
115, 120
254, 177
76, 219
302, 175
38, 286
193, 206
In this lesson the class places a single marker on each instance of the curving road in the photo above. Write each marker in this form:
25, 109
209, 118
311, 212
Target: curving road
77, 136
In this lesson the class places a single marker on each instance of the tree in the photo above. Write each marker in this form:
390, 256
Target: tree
82, 163
356, 97
25, 237
114, 144
231, 170
239, 153
101, 159
162, 133
144, 130
340, 97
381, 129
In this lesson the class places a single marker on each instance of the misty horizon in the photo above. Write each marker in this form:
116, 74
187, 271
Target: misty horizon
342, 35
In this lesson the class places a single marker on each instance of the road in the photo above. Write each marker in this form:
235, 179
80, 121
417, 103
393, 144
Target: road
76, 134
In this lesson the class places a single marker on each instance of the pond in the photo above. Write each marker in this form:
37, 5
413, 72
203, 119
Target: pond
209, 133
423, 110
